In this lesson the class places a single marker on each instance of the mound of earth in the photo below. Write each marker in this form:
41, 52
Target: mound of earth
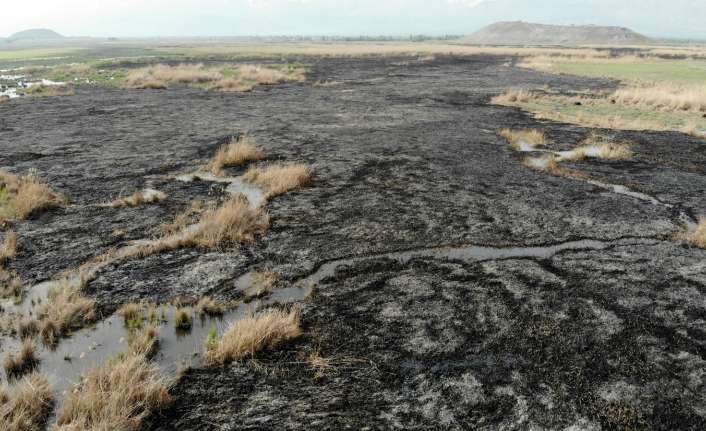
525, 33
35, 34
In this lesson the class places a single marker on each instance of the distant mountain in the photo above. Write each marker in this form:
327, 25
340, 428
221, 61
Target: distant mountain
35, 34
525, 33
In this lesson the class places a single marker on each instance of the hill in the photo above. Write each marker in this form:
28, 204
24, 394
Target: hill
524, 33
35, 34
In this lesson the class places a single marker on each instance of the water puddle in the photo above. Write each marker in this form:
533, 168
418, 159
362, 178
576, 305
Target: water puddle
11, 85
255, 195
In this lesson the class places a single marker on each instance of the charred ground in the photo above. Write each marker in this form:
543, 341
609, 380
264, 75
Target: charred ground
405, 156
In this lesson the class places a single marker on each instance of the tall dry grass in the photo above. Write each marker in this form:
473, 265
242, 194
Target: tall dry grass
532, 138
233, 221
140, 197
235, 153
159, 75
26, 405
265, 330
8, 248
698, 236
279, 178
22, 196
117, 396
64, 311
16, 364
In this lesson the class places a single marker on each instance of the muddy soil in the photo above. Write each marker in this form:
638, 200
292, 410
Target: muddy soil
406, 157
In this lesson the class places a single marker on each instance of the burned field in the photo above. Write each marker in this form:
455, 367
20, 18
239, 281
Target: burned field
439, 279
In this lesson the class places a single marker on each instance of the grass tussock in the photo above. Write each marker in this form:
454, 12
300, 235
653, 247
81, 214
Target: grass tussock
208, 307
262, 284
26, 405
698, 236
22, 196
142, 197
183, 318
235, 153
233, 221
117, 396
8, 248
232, 78
279, 178
603, 148
21, 362
65, 310
265, 330
521, 140
550, 164
42, 90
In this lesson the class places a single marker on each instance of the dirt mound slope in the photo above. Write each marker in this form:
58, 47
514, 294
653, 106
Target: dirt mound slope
525, 33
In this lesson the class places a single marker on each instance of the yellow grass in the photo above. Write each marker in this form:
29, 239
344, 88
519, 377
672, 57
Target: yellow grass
10, 284
118, 396
235, 78
698, 236
140, 197
64, 311
183, 318
207, 306
42, 90
158, 75
26, 405
278, 178
549, 164
262, 283
235, 153
233, 221
23, 196
265, 330
19, 363
663, 97
531, 137
8, 248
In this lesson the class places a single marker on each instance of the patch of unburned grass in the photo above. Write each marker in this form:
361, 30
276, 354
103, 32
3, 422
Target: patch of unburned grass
8, 248
208, 307
21, 362
549, 164
117, 396
22, 196
277, 179
26, 405
42, 90
520, 140
265, 330
231, 78
698, 236
64, 311
237, 152
140, 197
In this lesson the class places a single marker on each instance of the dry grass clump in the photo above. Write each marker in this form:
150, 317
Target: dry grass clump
246, 77
143, 342
265, 330
21, 196
159, 75
131, 311
233, 221
207, 306
4, 99
519, 140
10, 283
550, 164
235, 153
117, 396
698, 236
8, 249
512, 96
21, 362
26, 405
262, 284
148, 196
278, 178
183, 318
64, 311
42, 90
663, 97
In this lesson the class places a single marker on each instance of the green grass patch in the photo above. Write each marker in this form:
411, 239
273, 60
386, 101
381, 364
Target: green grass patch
680, 72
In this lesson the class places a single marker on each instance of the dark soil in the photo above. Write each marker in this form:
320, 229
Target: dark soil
405, 156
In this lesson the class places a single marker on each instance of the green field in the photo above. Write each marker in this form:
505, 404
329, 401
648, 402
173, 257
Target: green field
679, 72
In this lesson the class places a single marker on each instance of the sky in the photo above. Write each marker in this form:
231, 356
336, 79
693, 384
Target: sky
144, 18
